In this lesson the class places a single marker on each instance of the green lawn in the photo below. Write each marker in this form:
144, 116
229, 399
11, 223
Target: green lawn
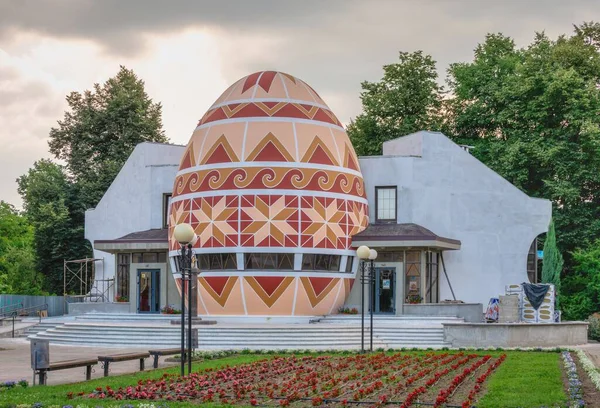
525, 379
57, 394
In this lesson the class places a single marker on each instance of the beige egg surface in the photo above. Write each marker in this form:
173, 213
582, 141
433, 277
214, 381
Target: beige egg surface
272, 187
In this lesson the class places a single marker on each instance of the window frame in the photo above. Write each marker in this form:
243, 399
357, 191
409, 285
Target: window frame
386, 220
166, 208
267, 261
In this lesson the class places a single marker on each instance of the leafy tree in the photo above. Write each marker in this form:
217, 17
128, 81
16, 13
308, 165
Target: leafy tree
533, 113
53, 204
101, 129
18, 273
407, 99
584, 297
95, 137
553, 262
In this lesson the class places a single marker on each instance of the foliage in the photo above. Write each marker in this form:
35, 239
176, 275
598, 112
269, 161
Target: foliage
347, 310
95, 137
532, 115
101, 129
534, 111
57, 395
584, 282
575, 384
407, 99
510, 385
18, 273
594, 327
589, 367
53, 205
169, 309
552, 262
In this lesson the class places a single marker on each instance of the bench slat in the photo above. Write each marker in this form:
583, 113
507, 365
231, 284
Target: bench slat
63, 365
165, 352
123, 357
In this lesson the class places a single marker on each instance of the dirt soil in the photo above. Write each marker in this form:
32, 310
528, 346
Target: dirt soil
591, 395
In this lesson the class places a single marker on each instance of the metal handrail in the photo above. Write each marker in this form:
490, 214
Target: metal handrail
9, 309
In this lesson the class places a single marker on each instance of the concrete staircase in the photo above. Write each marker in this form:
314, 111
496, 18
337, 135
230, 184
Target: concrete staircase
330, 333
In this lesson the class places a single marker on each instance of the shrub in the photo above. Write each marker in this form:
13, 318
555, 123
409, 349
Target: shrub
170, 309
594, 327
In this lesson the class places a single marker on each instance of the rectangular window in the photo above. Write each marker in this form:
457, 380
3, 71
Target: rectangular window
149, 257
123, 277
213, 262
385, 204
318, 262
273, 261
136, 257
166, 209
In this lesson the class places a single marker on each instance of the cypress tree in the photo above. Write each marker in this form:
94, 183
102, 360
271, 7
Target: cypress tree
553, 261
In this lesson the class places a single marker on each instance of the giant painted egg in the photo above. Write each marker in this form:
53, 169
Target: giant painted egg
272, 186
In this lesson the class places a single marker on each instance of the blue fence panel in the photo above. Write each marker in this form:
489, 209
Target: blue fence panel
56, 304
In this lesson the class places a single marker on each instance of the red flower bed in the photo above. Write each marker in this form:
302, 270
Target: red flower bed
398, 379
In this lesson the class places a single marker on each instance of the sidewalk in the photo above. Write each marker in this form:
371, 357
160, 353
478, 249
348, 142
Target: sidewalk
593, 352
6, 331
15, 362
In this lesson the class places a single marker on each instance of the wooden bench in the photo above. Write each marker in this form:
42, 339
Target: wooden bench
64, 365
113, 358
163, 352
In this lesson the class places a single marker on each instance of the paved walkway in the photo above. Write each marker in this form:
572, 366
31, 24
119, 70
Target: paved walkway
15, 361
593, 352
6, 330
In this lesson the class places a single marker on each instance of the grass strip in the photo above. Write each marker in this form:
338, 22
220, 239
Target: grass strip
527, 380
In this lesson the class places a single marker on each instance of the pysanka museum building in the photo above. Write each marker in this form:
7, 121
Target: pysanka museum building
280, 202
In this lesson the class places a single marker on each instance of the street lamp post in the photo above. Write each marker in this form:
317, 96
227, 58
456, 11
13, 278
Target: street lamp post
372, 257
363, 253
184, 234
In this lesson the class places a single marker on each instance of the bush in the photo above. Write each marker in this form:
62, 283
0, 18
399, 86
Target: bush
594, 327
170, 309
347, 310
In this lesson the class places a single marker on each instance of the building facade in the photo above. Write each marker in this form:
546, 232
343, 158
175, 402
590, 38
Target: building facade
279, 201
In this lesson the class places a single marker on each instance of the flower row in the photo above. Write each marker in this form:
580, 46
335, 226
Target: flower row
575, 385
399, 379
589, 368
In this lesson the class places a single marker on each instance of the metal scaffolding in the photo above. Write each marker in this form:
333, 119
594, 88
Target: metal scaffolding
80, 283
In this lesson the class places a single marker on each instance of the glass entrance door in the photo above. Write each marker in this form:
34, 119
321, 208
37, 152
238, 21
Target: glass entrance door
385, 290
148, 290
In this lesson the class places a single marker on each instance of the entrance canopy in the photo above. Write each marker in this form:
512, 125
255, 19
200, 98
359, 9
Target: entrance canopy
136, 241
402, 236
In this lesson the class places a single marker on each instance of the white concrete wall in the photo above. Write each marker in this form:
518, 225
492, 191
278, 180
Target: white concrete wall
450, 192
134, 201
440, 186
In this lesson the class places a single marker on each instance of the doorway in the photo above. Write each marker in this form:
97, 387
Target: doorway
148, 290
385, 290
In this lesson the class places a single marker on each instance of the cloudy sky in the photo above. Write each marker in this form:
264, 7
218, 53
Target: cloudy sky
188, 52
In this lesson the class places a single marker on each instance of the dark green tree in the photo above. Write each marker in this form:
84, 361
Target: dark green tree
18, 270
407, 99
101, 129
532, 114
53, 205
584, 282
553, 262
95, 137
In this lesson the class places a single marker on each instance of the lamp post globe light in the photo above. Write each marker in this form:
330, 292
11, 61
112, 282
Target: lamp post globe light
372, 257
363, 253
185, 235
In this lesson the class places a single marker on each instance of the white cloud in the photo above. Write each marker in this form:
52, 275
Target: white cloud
189, 53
